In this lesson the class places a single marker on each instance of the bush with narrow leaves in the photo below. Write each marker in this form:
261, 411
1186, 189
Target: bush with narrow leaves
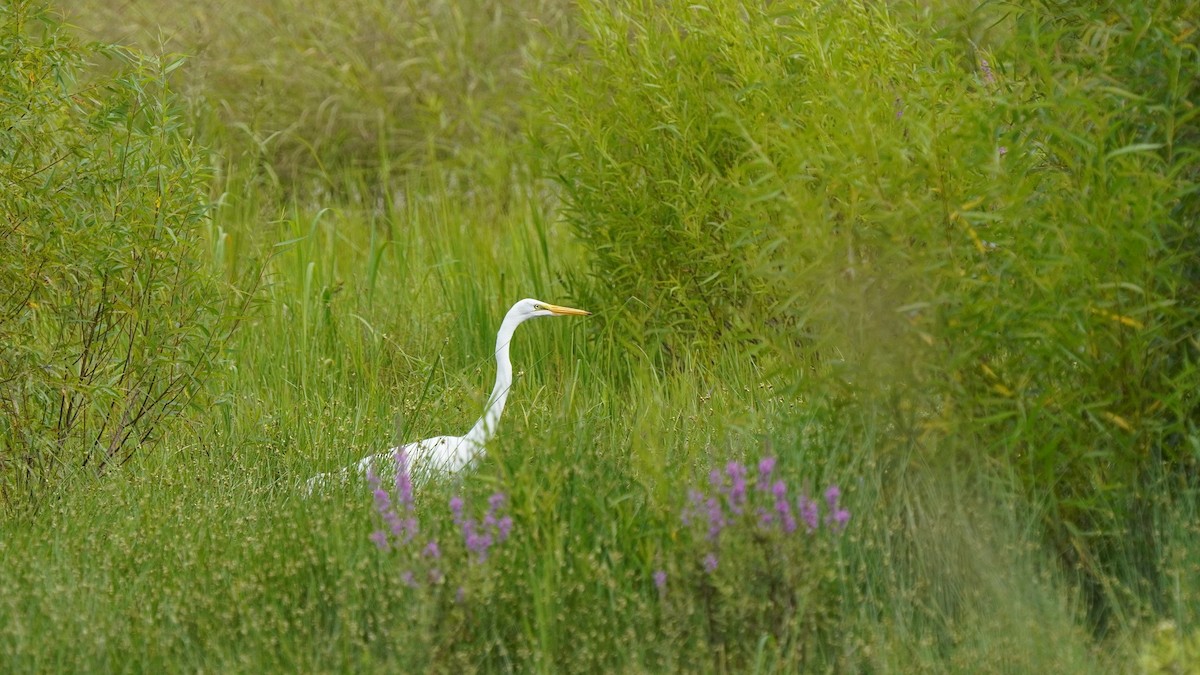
996, 243
108, 321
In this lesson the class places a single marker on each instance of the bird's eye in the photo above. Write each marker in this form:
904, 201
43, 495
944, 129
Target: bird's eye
538, 307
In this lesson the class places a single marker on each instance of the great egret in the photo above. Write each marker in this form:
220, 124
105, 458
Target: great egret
451, 454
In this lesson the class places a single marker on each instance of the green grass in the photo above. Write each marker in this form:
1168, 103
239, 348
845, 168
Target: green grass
381, 238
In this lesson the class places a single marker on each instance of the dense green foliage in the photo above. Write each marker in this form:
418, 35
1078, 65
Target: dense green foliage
742, 171
316, 96
941, 255
1071, 348
1002, 240
108, 325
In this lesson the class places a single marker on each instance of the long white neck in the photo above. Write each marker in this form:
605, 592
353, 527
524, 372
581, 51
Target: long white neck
485, 428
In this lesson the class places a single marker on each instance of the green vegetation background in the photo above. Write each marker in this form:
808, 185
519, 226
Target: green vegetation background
942, 254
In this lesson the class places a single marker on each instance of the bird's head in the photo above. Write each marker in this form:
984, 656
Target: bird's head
530, 308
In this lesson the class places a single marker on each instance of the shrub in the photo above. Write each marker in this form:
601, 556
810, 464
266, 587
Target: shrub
1068, 351
997, 244
744, 162
108, 321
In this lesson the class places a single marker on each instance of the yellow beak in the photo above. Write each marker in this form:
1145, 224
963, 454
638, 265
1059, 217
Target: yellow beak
566, 311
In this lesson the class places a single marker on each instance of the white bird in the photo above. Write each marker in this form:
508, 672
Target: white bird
452, 454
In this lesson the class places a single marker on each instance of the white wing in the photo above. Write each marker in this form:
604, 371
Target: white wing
440, 455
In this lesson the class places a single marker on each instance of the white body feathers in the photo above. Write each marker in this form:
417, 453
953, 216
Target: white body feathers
443, 455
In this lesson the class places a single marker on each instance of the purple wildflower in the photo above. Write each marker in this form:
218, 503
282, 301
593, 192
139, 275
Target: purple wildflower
502, 525
408, 579
480, 535
394, 523
779, 489
436, 576
478, 544
1003, 150
766, 466
840, 518
710, 563
765, 518
404, 486
783, 508
403, 529
737, 486
786, 517
383, 502
714, 479
716, 518
380, 538
831, 496
809, 512
660, 581
432, 550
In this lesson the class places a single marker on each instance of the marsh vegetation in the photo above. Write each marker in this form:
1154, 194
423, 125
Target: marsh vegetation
892, 364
